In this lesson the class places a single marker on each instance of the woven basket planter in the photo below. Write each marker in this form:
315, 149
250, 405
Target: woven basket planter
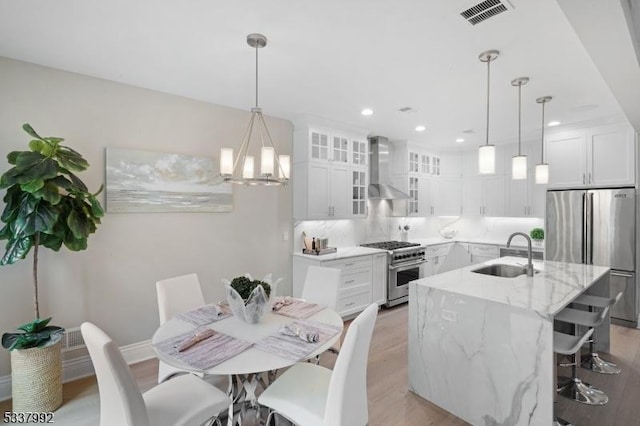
36, 378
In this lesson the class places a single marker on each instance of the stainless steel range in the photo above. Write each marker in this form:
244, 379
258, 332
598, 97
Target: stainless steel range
405, 261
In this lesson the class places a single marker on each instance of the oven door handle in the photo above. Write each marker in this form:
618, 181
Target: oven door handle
407, 265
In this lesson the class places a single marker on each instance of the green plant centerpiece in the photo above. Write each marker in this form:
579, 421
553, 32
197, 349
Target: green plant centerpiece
245, 286
46, 205
249, 298
537, 234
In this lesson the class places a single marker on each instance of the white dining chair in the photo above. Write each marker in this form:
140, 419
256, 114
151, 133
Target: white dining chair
176, 295
312, 395
321, 286
185, 400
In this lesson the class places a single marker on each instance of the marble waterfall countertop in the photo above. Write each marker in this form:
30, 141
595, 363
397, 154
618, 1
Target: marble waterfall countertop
481, 346
547, 292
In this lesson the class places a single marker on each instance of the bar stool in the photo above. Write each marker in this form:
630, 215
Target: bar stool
566, 344
592, 361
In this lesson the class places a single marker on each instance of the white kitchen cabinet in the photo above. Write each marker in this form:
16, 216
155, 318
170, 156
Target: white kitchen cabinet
479, 253
323, 190
525, 198
363, 280
483, 195
598, 156
445, 195
436, 257
330, 175
379, 278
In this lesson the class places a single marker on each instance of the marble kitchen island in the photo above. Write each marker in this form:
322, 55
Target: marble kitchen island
481, 346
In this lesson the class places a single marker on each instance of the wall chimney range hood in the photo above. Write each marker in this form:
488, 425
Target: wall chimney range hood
379, 158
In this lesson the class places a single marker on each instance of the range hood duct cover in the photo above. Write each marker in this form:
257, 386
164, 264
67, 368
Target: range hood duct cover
380, 187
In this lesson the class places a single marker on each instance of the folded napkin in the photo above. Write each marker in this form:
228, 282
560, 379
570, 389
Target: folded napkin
285, 301
301, 333
198, 336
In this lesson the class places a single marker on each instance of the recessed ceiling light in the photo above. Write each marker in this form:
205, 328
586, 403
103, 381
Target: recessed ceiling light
421, 128
367, 111
460, 140
553, 123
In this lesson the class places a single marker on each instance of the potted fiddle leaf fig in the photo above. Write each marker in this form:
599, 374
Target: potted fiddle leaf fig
46, 205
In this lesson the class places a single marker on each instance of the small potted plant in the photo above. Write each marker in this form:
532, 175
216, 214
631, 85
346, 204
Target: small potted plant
537, 234
47, 205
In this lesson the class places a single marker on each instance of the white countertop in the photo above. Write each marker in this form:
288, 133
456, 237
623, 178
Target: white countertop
555, 286
516, 243
342, 253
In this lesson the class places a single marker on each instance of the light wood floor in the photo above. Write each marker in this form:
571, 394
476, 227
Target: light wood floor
390, 403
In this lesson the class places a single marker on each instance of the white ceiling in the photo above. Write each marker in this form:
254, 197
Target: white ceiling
327, 58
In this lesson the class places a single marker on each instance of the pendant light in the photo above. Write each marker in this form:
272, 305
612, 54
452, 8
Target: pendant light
241, 170
542, 169
487, 152
519, 162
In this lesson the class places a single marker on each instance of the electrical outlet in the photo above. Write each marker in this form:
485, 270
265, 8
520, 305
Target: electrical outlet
450, 316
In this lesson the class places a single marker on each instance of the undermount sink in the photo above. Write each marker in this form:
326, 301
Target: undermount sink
502, 270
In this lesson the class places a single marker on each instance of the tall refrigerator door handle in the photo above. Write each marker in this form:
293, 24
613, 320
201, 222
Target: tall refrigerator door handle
621, 274
584, 227
589, 226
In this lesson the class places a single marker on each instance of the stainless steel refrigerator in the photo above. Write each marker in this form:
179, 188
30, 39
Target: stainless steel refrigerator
597, 226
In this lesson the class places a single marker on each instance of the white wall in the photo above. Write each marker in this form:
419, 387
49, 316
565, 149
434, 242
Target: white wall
113, 282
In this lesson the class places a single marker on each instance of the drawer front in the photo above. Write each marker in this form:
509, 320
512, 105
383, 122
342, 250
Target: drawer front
483, 250
354, 300
352, 279
351, 264
437, 251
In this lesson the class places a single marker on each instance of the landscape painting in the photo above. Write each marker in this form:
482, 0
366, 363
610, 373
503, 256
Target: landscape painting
148, 181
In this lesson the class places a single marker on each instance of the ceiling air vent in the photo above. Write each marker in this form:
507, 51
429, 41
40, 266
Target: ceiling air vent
485, 10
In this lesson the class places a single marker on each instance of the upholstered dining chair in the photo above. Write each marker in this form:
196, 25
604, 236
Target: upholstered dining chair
321, 286
312, 395
176, 295
185, 400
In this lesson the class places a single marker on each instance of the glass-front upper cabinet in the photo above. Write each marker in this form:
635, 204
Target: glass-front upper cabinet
359, 190
340, 149
319, 146
359, 153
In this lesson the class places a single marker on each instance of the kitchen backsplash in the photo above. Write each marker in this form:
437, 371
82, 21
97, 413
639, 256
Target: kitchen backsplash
378, 226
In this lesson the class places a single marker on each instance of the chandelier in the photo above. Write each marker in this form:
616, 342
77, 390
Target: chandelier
240, 170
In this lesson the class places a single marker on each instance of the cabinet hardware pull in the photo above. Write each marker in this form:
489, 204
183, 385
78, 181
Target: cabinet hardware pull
350, 281
349, 304
620, 274
348, 264
525, 210
584, 180
589, 177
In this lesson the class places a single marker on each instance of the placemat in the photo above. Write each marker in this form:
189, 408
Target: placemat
299, 309
293, 347
205, 354
205, 314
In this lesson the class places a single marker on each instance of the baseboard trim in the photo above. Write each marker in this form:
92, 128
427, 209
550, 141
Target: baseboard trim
79, 367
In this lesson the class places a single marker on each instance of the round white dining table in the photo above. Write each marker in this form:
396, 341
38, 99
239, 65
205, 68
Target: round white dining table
246, 365
251, 360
